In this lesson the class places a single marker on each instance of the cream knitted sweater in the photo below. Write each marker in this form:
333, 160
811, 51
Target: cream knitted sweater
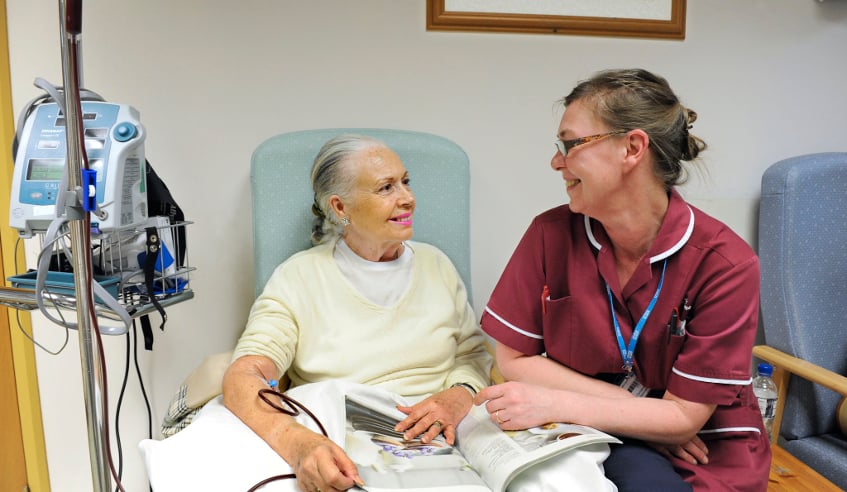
315, 326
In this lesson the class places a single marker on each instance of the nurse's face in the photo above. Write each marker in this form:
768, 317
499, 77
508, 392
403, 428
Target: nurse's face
592, 169
381, 205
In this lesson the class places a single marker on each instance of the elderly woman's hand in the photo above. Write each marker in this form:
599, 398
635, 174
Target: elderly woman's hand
320, 464
439, 413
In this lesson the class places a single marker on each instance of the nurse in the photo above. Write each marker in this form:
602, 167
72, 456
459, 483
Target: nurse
628, 309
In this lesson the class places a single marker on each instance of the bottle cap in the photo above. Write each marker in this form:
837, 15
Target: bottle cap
765, 369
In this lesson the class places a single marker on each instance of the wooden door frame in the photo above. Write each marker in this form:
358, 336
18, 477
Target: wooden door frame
23, 351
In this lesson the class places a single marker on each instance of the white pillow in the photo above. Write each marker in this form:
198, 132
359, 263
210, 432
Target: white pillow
216, 452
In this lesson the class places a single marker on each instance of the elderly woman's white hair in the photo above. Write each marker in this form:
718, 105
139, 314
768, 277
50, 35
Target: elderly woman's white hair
331, 176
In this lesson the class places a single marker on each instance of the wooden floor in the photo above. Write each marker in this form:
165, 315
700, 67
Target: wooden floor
788, 474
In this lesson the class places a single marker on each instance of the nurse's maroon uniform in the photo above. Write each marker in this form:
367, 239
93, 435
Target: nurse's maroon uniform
552, 298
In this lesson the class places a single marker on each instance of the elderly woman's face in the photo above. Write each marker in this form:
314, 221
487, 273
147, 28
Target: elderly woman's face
382, 203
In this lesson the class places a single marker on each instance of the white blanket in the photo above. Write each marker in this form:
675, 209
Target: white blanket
218, 452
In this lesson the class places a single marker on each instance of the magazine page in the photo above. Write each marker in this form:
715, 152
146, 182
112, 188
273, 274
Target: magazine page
386, 461
499, 456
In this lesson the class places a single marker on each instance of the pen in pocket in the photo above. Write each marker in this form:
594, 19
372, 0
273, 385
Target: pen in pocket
683, 316
672, 324
545, 296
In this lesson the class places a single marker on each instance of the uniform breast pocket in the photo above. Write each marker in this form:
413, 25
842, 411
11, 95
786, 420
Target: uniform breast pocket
666, 353
575, 336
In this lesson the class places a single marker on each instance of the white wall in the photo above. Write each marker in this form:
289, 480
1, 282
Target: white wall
213, 79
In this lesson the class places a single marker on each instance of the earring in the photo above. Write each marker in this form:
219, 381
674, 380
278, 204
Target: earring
345, 221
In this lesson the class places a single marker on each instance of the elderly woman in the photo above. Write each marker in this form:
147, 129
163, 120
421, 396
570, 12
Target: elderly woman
630, 310
365, 304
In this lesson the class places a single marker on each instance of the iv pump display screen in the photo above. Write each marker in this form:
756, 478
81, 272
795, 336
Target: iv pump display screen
45, 169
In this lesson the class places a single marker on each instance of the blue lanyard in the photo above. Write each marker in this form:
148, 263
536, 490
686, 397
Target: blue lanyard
627, 352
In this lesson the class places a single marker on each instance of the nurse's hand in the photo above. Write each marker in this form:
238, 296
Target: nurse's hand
515, 406
320, 464
694, 451
437, 414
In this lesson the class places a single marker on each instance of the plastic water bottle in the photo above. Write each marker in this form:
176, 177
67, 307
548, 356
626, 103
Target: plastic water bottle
765, 390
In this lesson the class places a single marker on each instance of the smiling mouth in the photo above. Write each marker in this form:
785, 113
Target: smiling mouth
572, 182
403, 219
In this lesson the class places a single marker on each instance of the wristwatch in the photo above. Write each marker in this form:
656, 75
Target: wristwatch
466, 386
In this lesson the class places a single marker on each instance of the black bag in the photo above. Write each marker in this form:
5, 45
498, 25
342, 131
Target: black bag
160, 202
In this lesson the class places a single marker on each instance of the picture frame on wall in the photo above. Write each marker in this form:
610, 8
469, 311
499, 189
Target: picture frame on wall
660, 19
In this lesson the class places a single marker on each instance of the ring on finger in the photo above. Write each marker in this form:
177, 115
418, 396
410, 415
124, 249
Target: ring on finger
497, 416
438, 423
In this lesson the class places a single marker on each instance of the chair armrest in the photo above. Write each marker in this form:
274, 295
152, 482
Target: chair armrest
802, 368
785, 365
495, 375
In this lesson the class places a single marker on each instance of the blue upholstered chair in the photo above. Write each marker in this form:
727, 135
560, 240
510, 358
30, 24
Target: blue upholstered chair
282, 194
803, 254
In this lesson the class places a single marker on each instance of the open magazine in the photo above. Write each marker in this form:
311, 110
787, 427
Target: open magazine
484, 459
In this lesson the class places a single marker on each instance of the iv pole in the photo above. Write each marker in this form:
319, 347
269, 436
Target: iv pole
70, 12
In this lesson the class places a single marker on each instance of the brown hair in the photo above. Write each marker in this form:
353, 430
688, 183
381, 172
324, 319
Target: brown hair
627, 99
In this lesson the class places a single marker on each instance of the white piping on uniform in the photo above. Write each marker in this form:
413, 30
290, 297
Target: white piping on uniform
676, 247
729, 429
712, 380
661, 256
590, 233
511, 326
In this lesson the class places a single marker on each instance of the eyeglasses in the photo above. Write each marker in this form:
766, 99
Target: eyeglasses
564, 146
